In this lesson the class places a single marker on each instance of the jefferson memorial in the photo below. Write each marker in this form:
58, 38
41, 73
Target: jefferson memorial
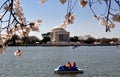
59, 35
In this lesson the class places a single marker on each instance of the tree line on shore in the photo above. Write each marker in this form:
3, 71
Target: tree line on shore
33, 40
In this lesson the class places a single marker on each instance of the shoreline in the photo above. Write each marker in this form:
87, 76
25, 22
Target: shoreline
69, 45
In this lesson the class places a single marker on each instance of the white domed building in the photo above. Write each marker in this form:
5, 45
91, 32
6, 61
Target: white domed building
59, 35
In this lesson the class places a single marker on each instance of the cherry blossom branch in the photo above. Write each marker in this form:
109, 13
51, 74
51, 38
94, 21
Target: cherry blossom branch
107, 18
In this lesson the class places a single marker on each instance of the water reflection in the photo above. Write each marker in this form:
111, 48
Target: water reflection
68, 75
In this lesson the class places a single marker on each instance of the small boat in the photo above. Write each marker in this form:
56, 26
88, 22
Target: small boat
74, 47
64, 70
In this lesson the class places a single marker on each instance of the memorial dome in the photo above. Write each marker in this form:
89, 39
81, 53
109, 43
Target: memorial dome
58, 29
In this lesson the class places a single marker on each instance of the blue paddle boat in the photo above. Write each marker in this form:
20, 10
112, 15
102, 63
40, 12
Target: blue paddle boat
61, 69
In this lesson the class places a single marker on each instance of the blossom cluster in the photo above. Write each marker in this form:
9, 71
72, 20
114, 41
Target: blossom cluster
19, 12
116, 17
69, 19
2, 47
63, 1
83, 3
43, 1
110, 25
17, 23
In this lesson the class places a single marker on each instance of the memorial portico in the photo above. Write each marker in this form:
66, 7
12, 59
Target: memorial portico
59, 35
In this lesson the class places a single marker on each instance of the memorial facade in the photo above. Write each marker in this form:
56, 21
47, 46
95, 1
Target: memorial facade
59, 35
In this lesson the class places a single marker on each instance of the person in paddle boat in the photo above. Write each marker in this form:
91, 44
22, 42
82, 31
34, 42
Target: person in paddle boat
73, 67
68, 64
65, 67
74, 64
68, 67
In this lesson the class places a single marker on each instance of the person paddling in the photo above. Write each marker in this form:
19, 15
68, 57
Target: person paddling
74, 64
68, 65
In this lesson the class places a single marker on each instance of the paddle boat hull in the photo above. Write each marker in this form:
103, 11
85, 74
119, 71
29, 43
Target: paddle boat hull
63, 70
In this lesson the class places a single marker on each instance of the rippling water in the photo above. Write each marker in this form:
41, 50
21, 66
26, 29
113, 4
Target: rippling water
97, 61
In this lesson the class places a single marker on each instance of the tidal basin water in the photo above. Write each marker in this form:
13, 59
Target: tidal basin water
96, 61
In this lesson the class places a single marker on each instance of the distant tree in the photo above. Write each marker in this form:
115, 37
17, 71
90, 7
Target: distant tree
14, 39
74, 39
71, 39
98, 40
82, 41
33, 39
25, 40
90, 40
114, 39
46, 37
105, 41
